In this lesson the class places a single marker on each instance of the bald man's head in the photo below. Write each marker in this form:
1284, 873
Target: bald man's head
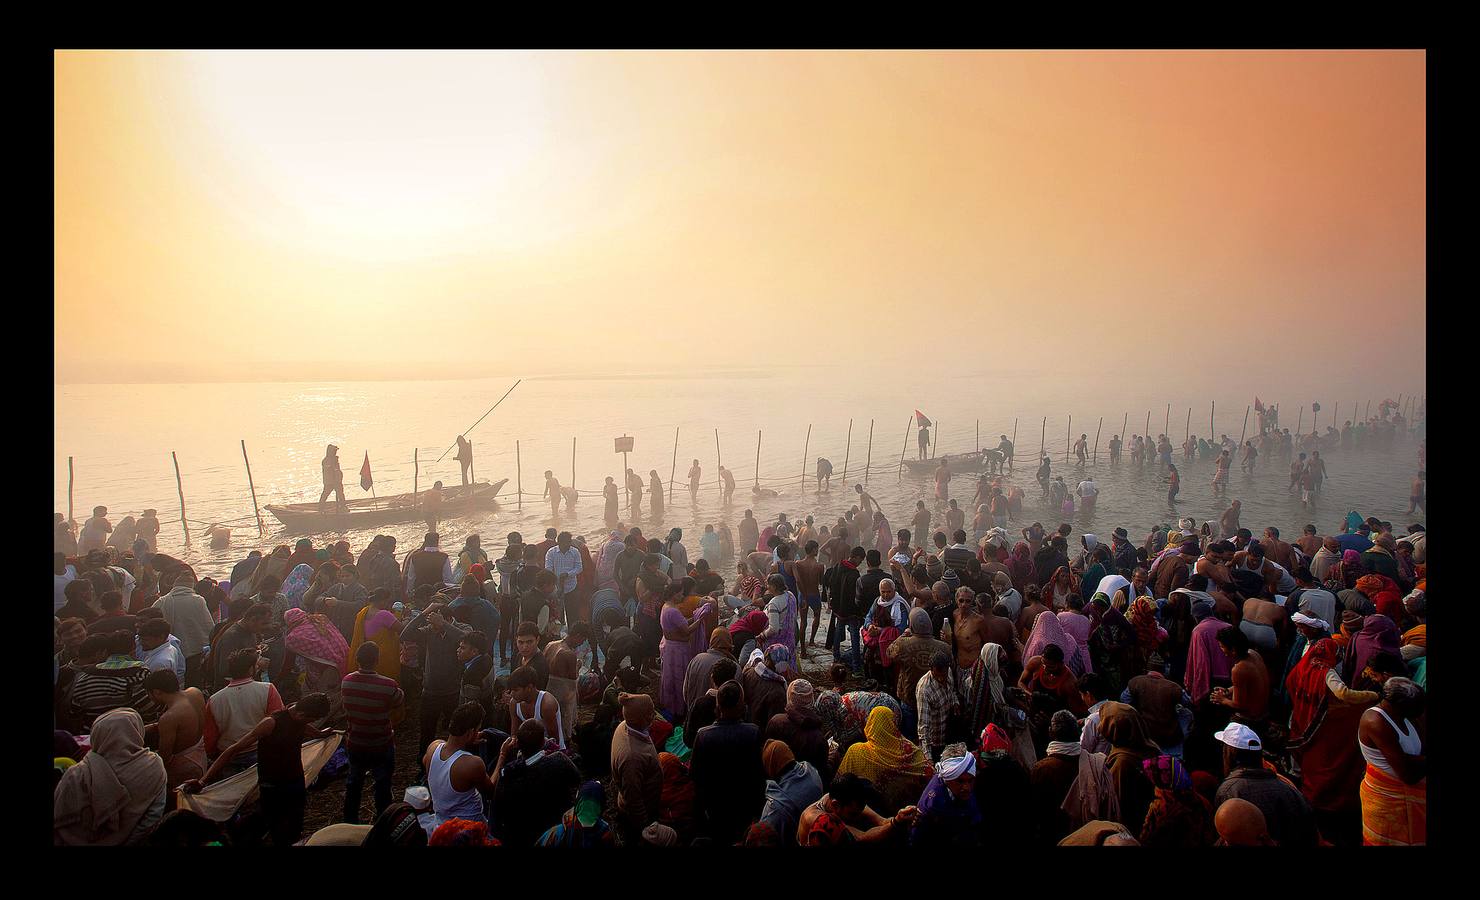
1241, 824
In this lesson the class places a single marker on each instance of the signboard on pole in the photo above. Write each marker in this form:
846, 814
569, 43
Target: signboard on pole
624, 444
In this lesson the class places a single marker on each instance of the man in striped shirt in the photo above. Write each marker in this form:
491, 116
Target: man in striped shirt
369, 699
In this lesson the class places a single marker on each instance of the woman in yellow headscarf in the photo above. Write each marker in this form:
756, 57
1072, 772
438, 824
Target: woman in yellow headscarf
377, 623
897, 768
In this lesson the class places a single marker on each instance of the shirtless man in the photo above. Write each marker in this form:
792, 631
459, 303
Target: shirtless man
955, 517
1215, 564
761, 560
966, 630
1228, 522
1220, 473
1416, 498
1249, 698
1032, 607
1268, 628
1307, 483
1250, 454
943, 480
1004, 447
836, 548
432, 506
847, 801
808, 531
808, 572
694, 472
1115, 445
564, 659
635, 486
867, 505
728, 479
1081, 448
1278, 550
552, 491
1309, 542
1297, 471
180, 730
1317, 469
921, 523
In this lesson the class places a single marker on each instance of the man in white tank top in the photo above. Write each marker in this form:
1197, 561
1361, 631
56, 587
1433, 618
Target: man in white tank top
529, 702
456, 776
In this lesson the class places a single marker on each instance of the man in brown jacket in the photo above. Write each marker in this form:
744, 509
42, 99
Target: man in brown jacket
1176, 569
636, 775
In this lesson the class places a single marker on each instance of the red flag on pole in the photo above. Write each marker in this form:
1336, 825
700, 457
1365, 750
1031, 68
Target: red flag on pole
1257, 405
921, 420
365, 481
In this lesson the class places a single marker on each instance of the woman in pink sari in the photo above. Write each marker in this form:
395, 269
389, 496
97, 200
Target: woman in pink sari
1047, 629
677, 647
1077, 626
316, 640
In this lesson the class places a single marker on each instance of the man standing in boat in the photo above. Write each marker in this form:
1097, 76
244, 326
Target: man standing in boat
465, 457
333, 479
923, 436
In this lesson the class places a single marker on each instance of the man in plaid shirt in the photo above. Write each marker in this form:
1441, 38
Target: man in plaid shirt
936, 701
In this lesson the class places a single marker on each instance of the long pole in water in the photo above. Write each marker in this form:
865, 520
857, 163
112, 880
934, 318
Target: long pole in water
625, 480
847, 451
935, 440
480, 419
673, 469
1244, 433
1068, 430
416, 469
1014, 444
1211, 430
179, 486
1148, 424
868, 460
805, 446
719, 463
255, 511
978, 435
1336, 413
757, 457
519, 478
1369, 410
1097, 439
1166, 424
1123, 420
902, 447
1299, 421
70, 520
572, 463
1043, 438
1187, 429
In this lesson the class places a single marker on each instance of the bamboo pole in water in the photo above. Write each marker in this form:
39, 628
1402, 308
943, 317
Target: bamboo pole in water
519, 480
1368, 414
416, 469
1211, 430
1166, 424
1244, 433
1097, 439
935, 440
757, 458
573, 464
719, 463
625, 480
71, 522
673, 469
1148, 424
1068, 430
1014, 441
1123, 420
805, 446
869, 458
847, 451
1299, 421
179, 486
255, 511
1187, 429
978, 435
903, 447
1043, 438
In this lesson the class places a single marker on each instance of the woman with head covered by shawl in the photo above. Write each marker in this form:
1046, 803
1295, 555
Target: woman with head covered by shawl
949, 815
296, 584
791, 786
1378, 635
1178, 817
1324, 718
1048, 629
116, 793
324, 651
800, 728
1112, 644
1121, 725
987, 706
897, 768
844, 715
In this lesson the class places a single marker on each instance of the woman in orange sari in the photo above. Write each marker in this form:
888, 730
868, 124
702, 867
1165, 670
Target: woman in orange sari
1395, 790
378, 624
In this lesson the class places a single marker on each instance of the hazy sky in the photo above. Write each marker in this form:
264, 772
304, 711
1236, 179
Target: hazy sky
358, 215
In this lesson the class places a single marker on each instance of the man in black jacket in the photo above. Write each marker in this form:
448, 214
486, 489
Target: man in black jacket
840, 590
729, 781
436, 631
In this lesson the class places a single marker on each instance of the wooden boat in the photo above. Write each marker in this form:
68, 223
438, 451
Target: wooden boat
977, 461
371, 512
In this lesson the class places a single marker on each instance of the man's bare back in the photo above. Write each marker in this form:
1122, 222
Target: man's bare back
808, 572
182, 722
563, 661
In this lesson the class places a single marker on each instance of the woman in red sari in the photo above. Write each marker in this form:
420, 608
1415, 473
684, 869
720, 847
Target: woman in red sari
1324, 718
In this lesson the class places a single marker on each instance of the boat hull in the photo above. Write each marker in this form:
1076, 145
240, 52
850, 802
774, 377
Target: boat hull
398, 509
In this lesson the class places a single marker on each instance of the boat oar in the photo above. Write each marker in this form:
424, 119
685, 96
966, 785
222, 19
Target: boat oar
480, 419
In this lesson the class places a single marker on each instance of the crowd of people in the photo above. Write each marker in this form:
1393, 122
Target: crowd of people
1203, 685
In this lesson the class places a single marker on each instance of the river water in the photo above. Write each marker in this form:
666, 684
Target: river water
121, 438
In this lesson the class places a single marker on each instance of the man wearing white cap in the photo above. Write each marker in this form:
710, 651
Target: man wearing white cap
1288, 814
947, 808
